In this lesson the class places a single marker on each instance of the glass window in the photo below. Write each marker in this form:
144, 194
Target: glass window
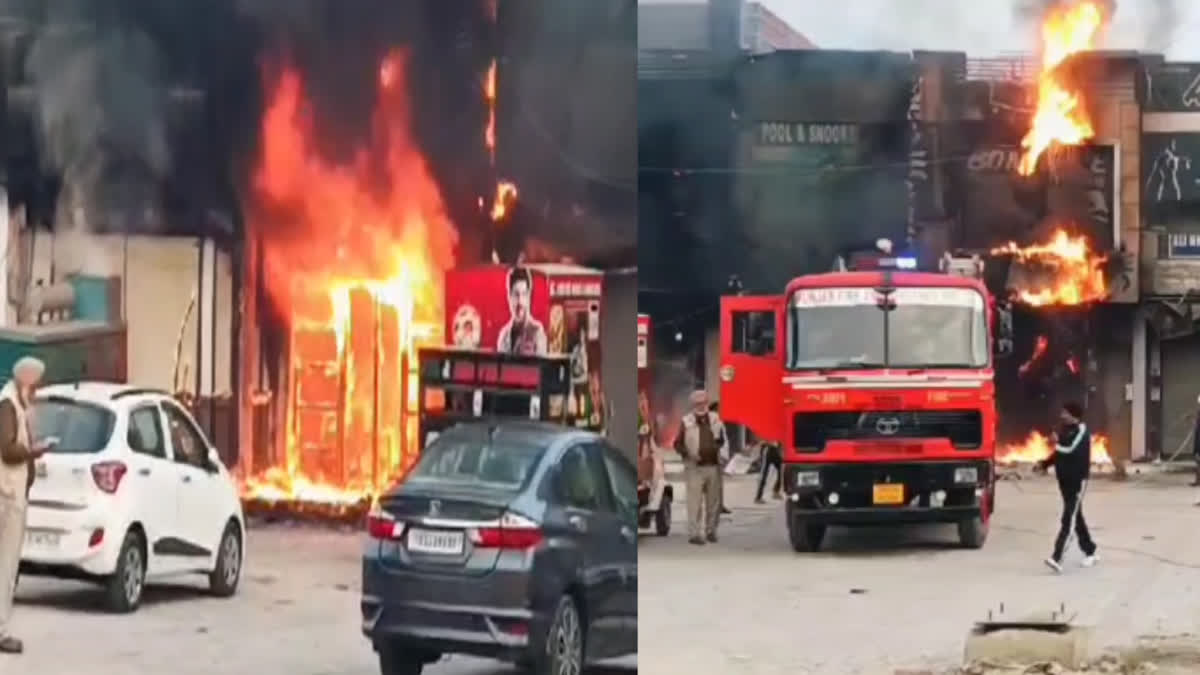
80, 427
458, 461
753, 333
582, 479
911, 327
624, 484
189, 445
145, 432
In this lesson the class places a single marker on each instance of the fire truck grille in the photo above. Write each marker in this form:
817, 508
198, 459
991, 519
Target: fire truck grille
812, 430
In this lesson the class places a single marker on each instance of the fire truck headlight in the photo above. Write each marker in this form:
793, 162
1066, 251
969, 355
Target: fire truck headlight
968, 474
808, 479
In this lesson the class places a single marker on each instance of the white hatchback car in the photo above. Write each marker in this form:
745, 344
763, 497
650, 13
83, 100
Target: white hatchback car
132, 491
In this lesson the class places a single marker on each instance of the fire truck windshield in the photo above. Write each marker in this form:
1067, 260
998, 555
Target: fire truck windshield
908, 328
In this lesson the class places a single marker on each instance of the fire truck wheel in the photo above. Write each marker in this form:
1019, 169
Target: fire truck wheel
972, 533
805, 537
662, 518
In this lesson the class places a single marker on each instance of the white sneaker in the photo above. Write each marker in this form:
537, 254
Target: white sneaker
1054, 565
1090, 560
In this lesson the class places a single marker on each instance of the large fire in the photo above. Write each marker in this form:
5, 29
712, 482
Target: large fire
359, 270
1062, 271
1061, 115
1037, 446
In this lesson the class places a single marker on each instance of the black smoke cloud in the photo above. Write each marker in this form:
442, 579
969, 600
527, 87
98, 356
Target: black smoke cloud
568, 112
110, 104
131, 99
98, 101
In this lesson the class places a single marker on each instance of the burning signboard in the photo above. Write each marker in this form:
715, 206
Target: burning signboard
1062, 271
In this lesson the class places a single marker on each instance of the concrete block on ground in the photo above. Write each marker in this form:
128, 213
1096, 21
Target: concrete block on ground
1027, 646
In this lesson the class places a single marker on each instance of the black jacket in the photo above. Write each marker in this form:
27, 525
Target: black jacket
1072, 458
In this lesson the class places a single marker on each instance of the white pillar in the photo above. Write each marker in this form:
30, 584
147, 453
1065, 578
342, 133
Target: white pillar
1137, 426
207, 315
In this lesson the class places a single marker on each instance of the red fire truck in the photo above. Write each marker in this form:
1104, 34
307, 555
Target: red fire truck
877, 383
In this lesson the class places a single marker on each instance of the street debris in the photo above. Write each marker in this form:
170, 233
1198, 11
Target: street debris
1178, 655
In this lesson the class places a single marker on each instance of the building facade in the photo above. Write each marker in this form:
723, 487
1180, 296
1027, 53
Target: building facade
718, 25
830, 148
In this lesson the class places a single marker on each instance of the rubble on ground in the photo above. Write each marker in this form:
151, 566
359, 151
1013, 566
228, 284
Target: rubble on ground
1158, 655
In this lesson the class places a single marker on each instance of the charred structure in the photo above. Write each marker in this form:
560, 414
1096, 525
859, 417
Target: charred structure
270, 135
935, 139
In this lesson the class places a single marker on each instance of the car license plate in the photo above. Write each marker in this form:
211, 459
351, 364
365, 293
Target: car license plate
889, 493
42, 539
435, 541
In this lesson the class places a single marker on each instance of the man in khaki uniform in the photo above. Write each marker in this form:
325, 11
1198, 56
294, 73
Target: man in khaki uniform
701, 441
17, 453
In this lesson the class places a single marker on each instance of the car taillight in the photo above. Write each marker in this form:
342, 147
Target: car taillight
108, 475
382, 525
512, 532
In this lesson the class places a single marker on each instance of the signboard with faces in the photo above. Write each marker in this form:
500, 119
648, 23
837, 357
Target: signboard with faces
534, 310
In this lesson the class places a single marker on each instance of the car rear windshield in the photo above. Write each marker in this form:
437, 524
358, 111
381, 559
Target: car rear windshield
474, 462
79, 427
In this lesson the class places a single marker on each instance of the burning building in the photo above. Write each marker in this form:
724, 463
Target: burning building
290, 199
1071, 170
355, 256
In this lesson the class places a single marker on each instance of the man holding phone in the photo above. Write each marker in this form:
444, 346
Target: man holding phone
18, 451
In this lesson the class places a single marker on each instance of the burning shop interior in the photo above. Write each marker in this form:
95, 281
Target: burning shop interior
334, 162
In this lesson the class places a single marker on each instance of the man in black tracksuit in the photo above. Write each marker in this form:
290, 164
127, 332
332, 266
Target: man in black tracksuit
1072, 464
771, 457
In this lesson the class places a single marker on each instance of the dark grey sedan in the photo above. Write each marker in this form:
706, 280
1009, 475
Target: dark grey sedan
515, 541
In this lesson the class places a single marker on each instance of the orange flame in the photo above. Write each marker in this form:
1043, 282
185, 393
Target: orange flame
1074, 274
1037, 447
506, 191
1060, 116
489, 93
1039, 350
357, 263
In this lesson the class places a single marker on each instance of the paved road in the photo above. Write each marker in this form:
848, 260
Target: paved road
875, 601
297, 614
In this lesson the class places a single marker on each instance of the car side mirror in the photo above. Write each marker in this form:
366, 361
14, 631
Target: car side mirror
212, 462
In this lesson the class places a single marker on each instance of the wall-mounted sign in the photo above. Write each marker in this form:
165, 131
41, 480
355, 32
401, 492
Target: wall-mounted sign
490, 373
1172, 87
1170, 167
586, 287
805, 133
998, 159
1183, 245
1072, 184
